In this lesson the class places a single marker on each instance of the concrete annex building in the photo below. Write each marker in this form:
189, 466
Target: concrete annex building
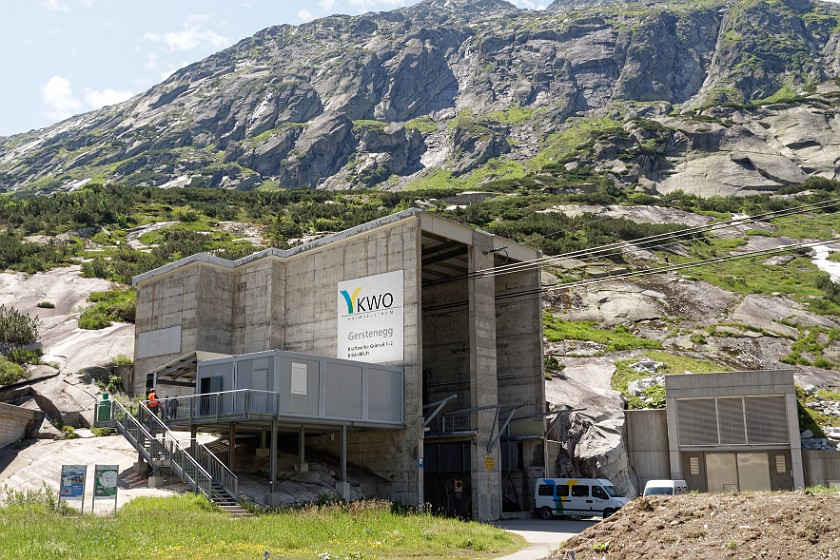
416, 338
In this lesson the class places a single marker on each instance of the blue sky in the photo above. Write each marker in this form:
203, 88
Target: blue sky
64, 57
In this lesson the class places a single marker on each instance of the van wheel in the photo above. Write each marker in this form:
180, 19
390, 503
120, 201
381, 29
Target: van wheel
546, 513
608, 512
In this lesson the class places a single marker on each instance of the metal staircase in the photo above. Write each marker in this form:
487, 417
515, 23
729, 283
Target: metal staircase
190, 461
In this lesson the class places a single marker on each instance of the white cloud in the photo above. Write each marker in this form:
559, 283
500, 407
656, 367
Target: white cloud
99, 98
304, 15
59, 100
190, 36
57, 6
326, 5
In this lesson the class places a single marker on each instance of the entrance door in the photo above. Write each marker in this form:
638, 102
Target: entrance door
210, 385
722, 472
753, 471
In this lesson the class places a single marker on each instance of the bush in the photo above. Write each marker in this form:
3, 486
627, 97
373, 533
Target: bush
17, 327
10, 372
45, 305
23, 357
122, 360
94, 318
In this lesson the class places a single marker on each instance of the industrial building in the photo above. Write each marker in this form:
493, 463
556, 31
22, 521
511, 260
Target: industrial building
723, 432
410, 346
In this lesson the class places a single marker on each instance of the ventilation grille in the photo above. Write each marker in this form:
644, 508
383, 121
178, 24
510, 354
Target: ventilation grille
732, 421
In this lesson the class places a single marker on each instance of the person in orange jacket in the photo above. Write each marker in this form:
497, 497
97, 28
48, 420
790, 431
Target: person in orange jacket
154, 403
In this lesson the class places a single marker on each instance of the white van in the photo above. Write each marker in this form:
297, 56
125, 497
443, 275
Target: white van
583, 497
665, 487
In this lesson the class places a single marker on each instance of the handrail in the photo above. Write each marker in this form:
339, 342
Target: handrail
185, 466
216, 469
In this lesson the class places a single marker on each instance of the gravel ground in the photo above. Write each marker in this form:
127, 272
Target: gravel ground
775, 525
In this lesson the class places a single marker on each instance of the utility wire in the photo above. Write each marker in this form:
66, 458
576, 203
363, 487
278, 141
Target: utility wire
658, 238
644, 272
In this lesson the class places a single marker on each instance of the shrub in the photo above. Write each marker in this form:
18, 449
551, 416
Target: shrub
94, 318
10, 372
23, 357
122, 360
17, 327
45, 305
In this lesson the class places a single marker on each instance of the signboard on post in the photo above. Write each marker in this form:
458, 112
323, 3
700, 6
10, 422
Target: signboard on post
72, 484
105, 484
370, 318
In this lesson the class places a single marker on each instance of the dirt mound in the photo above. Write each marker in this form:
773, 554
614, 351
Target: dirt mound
778, 525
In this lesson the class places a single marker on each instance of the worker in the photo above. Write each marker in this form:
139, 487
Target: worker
154, 403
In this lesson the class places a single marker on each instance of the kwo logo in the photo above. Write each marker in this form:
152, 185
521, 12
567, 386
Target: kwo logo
356, 304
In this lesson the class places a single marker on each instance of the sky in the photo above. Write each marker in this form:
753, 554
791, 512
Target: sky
65, 57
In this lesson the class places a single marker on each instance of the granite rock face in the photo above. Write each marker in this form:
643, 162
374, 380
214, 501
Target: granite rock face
723, 98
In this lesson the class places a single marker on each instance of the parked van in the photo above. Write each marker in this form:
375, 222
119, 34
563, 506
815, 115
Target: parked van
665, 487
576, 496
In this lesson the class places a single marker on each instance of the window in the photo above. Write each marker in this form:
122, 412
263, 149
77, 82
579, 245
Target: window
580, 491
298, 379
598, 492
563, 491
545, 490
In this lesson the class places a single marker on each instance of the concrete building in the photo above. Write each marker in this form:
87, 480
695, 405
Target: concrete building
721, 432
453, 313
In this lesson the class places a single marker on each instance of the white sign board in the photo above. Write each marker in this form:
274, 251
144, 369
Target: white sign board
370, 318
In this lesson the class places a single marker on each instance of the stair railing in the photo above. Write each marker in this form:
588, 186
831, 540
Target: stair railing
151, 447
219, 472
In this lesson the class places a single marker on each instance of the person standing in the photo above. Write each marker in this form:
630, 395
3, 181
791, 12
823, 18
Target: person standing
154, 403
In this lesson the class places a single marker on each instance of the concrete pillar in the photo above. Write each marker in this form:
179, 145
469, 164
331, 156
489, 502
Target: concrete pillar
272, 462
486, 467
796, 467
263, 450
343, 486
232, 446
673, 440
302, 465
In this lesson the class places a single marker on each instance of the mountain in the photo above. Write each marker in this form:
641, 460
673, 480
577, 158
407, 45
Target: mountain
710, 97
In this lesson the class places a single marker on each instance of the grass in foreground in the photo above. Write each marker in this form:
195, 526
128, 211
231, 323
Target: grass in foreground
188, 528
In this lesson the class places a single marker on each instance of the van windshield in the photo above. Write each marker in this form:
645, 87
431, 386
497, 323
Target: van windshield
613, 491
658, 491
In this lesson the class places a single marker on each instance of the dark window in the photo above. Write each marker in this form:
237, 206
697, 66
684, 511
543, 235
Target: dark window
563, 491
580, 491
598, 492
545, 490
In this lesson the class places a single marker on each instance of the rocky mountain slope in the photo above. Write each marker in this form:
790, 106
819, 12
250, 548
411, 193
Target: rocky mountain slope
719, 97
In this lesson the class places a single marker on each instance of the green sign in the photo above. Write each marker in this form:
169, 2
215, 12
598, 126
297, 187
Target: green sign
105, 481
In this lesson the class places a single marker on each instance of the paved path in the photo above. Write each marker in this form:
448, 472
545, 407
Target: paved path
542, 536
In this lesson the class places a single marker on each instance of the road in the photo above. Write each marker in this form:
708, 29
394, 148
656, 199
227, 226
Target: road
543, 536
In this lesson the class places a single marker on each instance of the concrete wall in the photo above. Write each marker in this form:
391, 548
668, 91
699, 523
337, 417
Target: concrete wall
15, 421
519, 346
647, 444
821, 467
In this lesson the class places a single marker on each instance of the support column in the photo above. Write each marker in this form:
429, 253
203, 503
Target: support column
302, 465
193, 439
272, 499
232, 446
343, 487
486, 485
262, 450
